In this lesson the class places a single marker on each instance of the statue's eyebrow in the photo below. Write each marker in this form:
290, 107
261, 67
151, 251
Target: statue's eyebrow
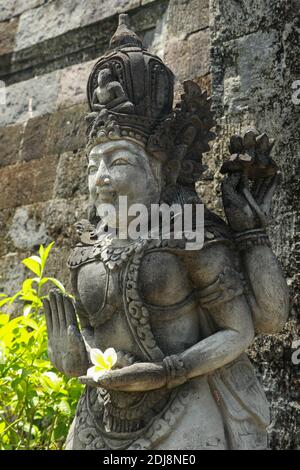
111, 150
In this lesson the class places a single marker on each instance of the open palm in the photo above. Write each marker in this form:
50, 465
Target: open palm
66, 346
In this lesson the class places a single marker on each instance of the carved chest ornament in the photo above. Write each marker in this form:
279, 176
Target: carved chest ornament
103, 249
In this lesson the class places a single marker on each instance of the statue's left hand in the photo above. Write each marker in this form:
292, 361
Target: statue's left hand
252, 178
66, 347
248, 208
138, 377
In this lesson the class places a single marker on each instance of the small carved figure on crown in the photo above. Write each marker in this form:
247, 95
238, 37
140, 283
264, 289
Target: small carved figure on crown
110, 94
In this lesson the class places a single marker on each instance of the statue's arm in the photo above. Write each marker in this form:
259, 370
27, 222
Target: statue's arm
117, 89
267, 288
220, 292
251, 180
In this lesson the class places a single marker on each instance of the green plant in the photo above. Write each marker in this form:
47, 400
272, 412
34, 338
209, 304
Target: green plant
37, 404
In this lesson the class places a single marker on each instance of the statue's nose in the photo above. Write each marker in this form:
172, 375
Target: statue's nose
103, 181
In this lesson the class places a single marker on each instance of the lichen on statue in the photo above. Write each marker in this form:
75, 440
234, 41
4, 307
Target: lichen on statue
179, 320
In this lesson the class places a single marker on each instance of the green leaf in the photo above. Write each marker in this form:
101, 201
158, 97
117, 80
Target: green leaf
64, 407
4, 318
43, 281
47, 251
60, 431
14, 297
27, 310
2, 352
44, 253
4, 301
27, 284
51, 382
57, 284
30, 296
33, 265
41, 252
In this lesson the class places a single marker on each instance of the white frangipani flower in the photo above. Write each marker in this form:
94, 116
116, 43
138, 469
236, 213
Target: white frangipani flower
103, 362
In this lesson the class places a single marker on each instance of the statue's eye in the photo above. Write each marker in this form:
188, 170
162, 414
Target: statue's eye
120, 161
92, 169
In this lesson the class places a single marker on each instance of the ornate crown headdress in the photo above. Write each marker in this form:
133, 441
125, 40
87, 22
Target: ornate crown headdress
130, 94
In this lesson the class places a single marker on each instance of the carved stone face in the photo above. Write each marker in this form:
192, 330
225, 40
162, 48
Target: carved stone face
104, 77
123, 168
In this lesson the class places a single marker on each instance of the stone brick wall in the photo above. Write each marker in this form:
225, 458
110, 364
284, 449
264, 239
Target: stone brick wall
244, 52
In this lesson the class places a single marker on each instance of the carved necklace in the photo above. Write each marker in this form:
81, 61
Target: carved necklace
114, 255
111, 252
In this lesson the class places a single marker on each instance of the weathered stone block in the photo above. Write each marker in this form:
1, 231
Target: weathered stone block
7, 35
30, 98
26, 227
12, 273
56, 18
251, 71
73, 84
71, 175
144, 19
92, 11
7, 9
67, 130
6, 216
47, 21
187, 16
23, 5
28, 182
232, 19
34, 140
10, 142
60, 216
189, 58
27, 231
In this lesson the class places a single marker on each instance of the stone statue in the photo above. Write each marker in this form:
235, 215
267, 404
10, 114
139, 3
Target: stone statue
179, 320
110, 94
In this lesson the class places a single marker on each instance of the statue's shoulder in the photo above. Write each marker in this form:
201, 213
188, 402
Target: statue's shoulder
198, 236
213, 247
210, 228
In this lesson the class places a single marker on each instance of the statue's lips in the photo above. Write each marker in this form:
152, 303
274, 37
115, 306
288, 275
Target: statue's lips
106, 192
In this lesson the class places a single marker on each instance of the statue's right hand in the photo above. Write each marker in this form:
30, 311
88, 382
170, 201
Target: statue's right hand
66, 347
